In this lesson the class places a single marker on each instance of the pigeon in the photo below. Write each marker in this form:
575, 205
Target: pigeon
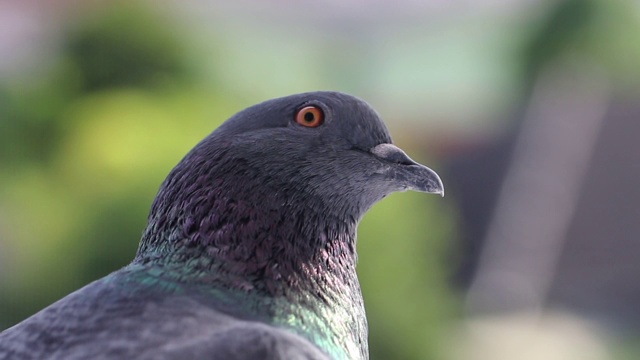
250, 247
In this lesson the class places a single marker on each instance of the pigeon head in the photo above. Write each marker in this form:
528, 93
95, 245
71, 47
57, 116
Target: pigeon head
328, 146
266, 208
281, 179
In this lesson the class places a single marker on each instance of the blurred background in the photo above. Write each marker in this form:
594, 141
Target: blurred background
529, 110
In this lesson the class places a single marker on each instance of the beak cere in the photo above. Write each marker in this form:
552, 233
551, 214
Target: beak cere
407, 173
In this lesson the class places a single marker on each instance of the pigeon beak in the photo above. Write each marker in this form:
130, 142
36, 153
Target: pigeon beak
408, 173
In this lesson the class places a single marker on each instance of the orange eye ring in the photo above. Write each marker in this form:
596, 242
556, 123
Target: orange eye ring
310, 116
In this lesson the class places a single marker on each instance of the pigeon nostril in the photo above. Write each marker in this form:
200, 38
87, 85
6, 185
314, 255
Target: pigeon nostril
392, 154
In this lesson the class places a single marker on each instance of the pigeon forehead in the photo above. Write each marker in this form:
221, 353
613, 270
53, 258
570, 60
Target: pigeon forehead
345, 114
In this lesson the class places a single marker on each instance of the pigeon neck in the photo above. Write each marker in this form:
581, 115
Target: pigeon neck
281, 270
290, 257
274, 247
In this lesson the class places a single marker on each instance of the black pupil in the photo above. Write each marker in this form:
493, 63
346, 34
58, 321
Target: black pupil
309, 116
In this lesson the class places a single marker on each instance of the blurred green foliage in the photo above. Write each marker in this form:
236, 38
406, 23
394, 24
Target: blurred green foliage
593, 30
127, 46
85, 145
402, 268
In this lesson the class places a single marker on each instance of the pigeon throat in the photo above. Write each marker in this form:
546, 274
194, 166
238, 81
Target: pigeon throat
243, 238
280, 267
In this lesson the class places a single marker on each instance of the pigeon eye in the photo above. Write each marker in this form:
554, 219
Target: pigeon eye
310, 116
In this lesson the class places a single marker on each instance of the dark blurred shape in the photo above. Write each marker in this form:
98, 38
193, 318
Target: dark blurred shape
475, 177
126, 46
593, 269
29, 126
565, 27
597, 273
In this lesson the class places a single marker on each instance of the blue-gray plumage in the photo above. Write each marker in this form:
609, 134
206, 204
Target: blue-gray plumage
249, 251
